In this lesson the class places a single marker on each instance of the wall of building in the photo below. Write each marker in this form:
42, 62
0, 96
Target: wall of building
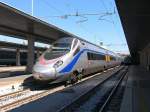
145, 57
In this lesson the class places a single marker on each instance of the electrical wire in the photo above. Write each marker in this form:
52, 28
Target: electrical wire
112, 20
51, 6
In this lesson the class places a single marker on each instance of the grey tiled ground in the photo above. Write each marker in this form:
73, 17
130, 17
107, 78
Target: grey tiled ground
137, 93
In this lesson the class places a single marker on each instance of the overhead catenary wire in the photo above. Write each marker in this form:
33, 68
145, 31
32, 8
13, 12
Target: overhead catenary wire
83, 16
103, 4
121, 44
114, 24
88, 32
51, 6
112, 20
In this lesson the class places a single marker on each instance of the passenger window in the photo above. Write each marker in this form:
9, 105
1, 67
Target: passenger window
88, 55
94, 56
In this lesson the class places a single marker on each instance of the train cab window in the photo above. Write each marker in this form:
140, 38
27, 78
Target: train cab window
59, 48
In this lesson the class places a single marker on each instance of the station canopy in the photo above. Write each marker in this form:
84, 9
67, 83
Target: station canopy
20, 25
11, 45
135, 19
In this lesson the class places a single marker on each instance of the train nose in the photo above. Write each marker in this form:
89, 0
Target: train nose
45, 75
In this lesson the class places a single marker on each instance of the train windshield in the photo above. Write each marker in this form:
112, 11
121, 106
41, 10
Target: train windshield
59, 48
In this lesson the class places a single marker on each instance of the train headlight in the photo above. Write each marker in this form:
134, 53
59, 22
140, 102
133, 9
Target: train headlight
58, 63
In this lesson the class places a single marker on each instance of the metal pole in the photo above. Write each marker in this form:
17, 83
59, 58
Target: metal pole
32, 7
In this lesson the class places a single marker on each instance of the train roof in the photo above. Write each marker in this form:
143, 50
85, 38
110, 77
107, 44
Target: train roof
109, 51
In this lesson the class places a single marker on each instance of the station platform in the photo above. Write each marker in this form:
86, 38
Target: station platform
137, 93
12, 71
11, 84
12, 80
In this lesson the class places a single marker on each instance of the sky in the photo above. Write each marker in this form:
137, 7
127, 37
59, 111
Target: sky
107, 30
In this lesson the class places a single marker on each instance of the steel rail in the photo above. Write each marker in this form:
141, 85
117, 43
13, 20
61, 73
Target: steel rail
113, 92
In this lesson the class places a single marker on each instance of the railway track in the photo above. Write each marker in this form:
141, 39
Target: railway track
16, 99
113, 101
98, 98
13, 100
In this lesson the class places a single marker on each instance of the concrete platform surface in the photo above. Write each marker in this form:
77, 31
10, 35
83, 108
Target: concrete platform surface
11, 84
12, 69
11, 80
137, 93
